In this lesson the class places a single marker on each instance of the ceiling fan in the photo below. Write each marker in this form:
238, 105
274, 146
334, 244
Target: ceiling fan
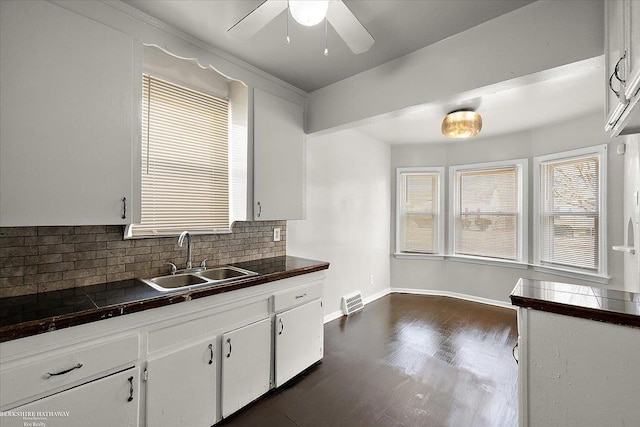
309, 13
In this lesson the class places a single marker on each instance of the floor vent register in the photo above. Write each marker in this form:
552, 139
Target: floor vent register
352, 303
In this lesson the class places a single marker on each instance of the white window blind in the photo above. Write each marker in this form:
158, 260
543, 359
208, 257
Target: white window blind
185, 177
569, 204
487, 212
418, 210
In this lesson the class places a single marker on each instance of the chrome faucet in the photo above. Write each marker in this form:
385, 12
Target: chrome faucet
180, 241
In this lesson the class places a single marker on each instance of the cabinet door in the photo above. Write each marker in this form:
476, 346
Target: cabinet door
246, 365
299, 340
614, 51
181, 387
67, 94
633, 46
278, 158
110, 401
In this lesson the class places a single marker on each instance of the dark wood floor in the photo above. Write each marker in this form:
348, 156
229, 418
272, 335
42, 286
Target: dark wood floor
406, 360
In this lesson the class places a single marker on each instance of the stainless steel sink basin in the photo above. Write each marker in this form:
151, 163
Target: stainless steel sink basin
212, 276
224, 273
177, 281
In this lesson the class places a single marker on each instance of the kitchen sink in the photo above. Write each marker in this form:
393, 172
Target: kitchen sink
209, 277
223, 273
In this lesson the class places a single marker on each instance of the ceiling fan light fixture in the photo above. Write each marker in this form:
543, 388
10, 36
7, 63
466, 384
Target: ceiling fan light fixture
461, 124
308, 12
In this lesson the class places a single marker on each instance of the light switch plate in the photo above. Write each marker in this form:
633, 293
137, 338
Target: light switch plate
276, 234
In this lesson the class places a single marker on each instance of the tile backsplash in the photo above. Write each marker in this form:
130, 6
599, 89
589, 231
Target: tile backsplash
40, 259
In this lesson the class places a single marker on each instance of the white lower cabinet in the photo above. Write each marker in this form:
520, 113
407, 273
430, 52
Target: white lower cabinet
110, 401
299, 338
181, 386
246, 365
203, 360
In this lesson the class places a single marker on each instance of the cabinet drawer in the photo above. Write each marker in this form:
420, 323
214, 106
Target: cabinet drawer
293, 297
38, 377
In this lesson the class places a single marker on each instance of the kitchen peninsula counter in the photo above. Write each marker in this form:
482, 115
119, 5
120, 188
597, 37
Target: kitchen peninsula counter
27, 315
577, 355
588, 302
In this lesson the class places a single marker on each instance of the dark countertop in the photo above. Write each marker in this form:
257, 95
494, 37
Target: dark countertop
27, 315
588, 302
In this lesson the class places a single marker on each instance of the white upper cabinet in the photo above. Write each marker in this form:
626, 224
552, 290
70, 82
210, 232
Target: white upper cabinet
69, 118
614, 48
278, 140
633, 47
622, 62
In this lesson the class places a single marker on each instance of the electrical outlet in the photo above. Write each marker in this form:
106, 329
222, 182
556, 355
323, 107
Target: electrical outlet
371, 280
276, 234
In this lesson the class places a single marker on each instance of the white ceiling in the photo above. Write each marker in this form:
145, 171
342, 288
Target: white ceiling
398, 26
517, 109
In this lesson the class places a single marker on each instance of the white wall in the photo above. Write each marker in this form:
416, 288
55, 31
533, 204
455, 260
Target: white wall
631, 215
496, 282
540, 36
348, 214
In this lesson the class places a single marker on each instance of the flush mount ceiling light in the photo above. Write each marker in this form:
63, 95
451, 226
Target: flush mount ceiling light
308, 12
461, 124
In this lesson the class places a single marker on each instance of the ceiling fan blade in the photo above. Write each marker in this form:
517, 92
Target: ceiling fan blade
257, 18
354, 34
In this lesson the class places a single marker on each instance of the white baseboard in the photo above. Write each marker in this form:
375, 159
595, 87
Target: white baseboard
377, 295
453, 295
333, 316
337, 314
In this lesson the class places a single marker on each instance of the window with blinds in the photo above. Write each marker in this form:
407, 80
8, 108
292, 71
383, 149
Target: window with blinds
487, 210
570, 211
419, 219
185, 176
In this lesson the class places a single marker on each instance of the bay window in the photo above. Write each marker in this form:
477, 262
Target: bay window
570, 223
419, 218
488, 211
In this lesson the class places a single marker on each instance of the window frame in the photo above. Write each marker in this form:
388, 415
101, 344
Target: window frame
601, 274
212, 92
522, 257
439, 171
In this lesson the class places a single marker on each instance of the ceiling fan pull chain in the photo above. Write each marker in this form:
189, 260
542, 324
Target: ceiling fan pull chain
326, 26
288, 14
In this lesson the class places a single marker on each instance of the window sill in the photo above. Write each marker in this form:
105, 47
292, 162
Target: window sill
458, 258
487, 261
590, 277
434, 257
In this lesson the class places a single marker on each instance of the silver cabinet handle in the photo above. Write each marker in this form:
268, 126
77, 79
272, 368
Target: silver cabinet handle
616, 74
130, 379
616, 92
300, 296
281, 326
124, 208
211, 350
259, 209
66, 371
229, 342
